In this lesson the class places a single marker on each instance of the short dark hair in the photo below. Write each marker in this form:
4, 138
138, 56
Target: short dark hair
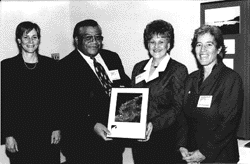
26, 26
84, 23
216, 33
159, 27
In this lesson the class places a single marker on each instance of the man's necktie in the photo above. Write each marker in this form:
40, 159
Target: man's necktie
103, 77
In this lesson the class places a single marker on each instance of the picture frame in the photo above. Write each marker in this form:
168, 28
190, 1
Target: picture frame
224, 14
128, 113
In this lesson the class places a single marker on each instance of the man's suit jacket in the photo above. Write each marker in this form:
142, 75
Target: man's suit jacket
83, 98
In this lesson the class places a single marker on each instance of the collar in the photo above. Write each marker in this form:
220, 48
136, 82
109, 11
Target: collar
202, 70
161, 67
99, 59
88, 59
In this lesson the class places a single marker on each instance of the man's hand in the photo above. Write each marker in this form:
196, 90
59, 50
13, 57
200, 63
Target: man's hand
102, 131
56, 137
11, 145
148, 132
195, 157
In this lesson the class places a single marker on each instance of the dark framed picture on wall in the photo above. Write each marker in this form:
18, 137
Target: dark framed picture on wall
224, 14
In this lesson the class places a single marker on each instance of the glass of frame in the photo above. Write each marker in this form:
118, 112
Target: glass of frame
128, 113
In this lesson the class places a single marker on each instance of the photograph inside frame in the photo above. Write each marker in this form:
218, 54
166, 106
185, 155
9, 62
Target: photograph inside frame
128, 113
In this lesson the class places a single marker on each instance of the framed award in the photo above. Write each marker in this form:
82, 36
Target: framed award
128, 113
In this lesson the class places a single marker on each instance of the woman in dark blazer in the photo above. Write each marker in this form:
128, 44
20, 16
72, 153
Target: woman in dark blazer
29, 125
165, 79
213, 103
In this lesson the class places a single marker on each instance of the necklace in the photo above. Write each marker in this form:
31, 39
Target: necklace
30, 68
33, 58
154, 66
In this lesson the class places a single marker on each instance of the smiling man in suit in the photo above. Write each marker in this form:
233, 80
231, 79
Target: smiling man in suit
88, 74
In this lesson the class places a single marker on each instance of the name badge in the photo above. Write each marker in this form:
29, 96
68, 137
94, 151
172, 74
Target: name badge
139, 78
205, 101
114, 74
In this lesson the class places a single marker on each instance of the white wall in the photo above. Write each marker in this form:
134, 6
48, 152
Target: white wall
52, 17
122, 22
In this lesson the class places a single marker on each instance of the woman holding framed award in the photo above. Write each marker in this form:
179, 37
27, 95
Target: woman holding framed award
165, 79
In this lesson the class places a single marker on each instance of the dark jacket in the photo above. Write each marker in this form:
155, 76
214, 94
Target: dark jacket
165, 93
29, 111
27, 98
84, 100
83, 92
213, 130
164, 107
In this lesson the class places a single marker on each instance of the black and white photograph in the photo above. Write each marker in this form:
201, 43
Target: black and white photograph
128, 107
119, 81
226, 18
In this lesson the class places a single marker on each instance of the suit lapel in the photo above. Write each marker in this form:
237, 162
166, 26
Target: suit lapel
110, 62
163, 76
212, 77
106, 59
85, 70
